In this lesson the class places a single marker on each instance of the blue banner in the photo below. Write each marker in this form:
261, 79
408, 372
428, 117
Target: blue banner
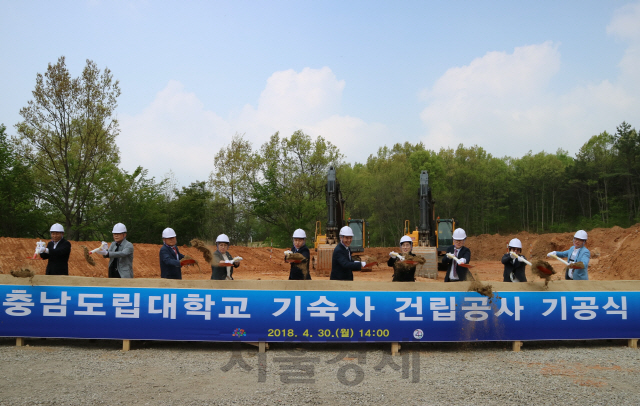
314, 316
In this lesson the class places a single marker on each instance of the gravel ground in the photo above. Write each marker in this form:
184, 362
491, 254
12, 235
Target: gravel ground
80, 372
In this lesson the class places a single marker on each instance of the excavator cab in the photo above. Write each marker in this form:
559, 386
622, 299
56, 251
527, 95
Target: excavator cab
359, 227
445, 233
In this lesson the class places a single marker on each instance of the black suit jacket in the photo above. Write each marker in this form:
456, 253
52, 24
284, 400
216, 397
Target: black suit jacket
341, 266
296, 272
517, 267
58, 258
462, 271
170, 267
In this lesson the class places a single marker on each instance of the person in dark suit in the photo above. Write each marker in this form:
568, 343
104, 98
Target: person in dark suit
170, 256
401, 271
342, 266
299, 271
223, 262
457, 254
513, 262
57, 252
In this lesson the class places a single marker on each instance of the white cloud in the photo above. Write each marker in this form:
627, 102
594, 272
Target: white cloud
625, 25
504, 103
176, 132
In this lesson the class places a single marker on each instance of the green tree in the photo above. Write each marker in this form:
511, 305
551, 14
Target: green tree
138, 202
18, 214
234, 169
188, 210
289, 189
627, 144
68, 135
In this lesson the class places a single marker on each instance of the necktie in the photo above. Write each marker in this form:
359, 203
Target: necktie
455, 264
175, 251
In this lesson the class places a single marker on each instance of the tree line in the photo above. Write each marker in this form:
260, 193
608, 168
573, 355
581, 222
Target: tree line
63, 166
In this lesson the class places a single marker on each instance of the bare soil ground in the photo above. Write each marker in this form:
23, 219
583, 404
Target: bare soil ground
615, 255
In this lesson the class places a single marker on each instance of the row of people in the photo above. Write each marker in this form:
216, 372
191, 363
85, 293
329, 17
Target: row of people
457, 258
120, 255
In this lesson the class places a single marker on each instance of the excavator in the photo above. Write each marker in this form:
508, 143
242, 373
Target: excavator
325, 243
433, 235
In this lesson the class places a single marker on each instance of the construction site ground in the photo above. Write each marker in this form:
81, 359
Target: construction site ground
615, 255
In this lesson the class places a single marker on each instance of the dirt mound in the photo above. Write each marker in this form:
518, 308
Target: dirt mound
615, 256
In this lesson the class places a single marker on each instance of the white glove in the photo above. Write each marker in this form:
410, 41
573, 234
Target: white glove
551, 253
363, 264
287, 252
450, 255
42, 250
236, 259
104, 246
513, 255
521, 259
228, 261
102, 252
462, 261
393, 254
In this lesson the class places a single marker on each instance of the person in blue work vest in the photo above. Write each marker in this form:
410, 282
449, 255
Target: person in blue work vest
170, 256
577, 253
342, 266
457, 254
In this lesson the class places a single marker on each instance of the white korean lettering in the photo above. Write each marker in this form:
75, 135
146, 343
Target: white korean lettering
235, 312
408, 303
90, 306
18, 303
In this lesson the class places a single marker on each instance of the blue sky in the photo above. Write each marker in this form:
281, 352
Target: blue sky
510, 76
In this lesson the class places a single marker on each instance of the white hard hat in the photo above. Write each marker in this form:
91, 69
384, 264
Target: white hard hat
406, 238
119, 228
581, 234
299, 233
57, 228
515, 243
459, 234
346, 231
168, 233
222, 238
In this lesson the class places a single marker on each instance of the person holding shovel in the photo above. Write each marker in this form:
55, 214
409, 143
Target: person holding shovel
403, 271
457, 256
514, 263
120, 254
578, 255
223, 262
342, 266
57, 252
170, 256
299, 256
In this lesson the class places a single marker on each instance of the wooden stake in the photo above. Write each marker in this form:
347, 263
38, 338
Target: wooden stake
262, 345
633, 343
395, 348
20, 342
126, 345
517, 345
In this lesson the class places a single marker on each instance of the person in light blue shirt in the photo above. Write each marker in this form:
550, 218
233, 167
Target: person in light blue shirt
577, 253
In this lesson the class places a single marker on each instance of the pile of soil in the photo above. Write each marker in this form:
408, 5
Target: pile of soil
615, 255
